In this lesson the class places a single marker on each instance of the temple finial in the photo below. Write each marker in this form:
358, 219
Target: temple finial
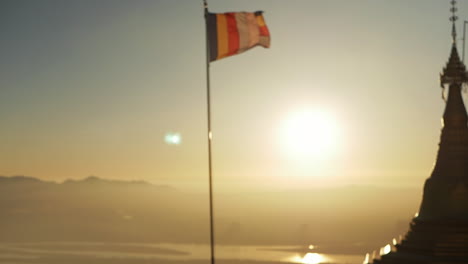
454, 18
454, 72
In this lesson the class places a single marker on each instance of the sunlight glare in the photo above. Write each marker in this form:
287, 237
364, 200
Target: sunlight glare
312, 258
385, 250
309, 134
366, 260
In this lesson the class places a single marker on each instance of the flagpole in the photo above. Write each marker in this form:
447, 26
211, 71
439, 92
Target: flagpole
208, 104
464, 39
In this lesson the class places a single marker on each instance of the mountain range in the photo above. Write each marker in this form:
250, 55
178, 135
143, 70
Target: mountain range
352, 219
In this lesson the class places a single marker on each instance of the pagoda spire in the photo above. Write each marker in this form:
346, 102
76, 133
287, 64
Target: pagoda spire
439, 232
453, 77
451, 167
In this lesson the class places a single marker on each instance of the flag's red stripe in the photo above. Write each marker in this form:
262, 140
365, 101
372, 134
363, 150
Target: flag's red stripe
264, 31
233, 34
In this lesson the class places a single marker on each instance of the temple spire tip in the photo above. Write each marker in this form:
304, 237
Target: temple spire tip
454, 72
453, 19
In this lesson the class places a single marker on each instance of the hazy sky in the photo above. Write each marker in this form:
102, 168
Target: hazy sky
92, 87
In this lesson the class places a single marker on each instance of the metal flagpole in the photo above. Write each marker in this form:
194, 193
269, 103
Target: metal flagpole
208, 103
464, 38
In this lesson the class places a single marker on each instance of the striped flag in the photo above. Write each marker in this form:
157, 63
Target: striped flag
235, 32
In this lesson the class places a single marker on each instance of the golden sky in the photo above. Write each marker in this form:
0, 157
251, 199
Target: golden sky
93, 87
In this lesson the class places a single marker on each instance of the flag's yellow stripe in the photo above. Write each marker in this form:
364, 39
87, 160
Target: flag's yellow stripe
223, 46
260, 21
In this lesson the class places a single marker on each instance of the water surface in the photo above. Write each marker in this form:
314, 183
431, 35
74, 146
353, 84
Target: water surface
140, 253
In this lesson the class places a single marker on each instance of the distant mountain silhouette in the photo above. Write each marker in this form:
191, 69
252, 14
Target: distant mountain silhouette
16, 179
101, 210
91, 209
97, 180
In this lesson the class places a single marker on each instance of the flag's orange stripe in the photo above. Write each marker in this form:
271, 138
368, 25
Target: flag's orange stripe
233, 33
222, 36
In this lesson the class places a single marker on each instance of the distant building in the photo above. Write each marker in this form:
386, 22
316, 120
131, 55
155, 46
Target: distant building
439, 232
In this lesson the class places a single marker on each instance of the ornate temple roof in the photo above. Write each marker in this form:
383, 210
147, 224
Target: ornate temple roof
455, 70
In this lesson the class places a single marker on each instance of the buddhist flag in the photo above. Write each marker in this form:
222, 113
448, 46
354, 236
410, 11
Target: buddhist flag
233, 33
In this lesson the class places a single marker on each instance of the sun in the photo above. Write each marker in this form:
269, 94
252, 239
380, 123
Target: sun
310, 134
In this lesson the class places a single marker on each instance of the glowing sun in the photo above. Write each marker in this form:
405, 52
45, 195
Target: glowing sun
310, 134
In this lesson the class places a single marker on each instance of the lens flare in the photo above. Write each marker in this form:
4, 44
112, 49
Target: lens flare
173, 138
